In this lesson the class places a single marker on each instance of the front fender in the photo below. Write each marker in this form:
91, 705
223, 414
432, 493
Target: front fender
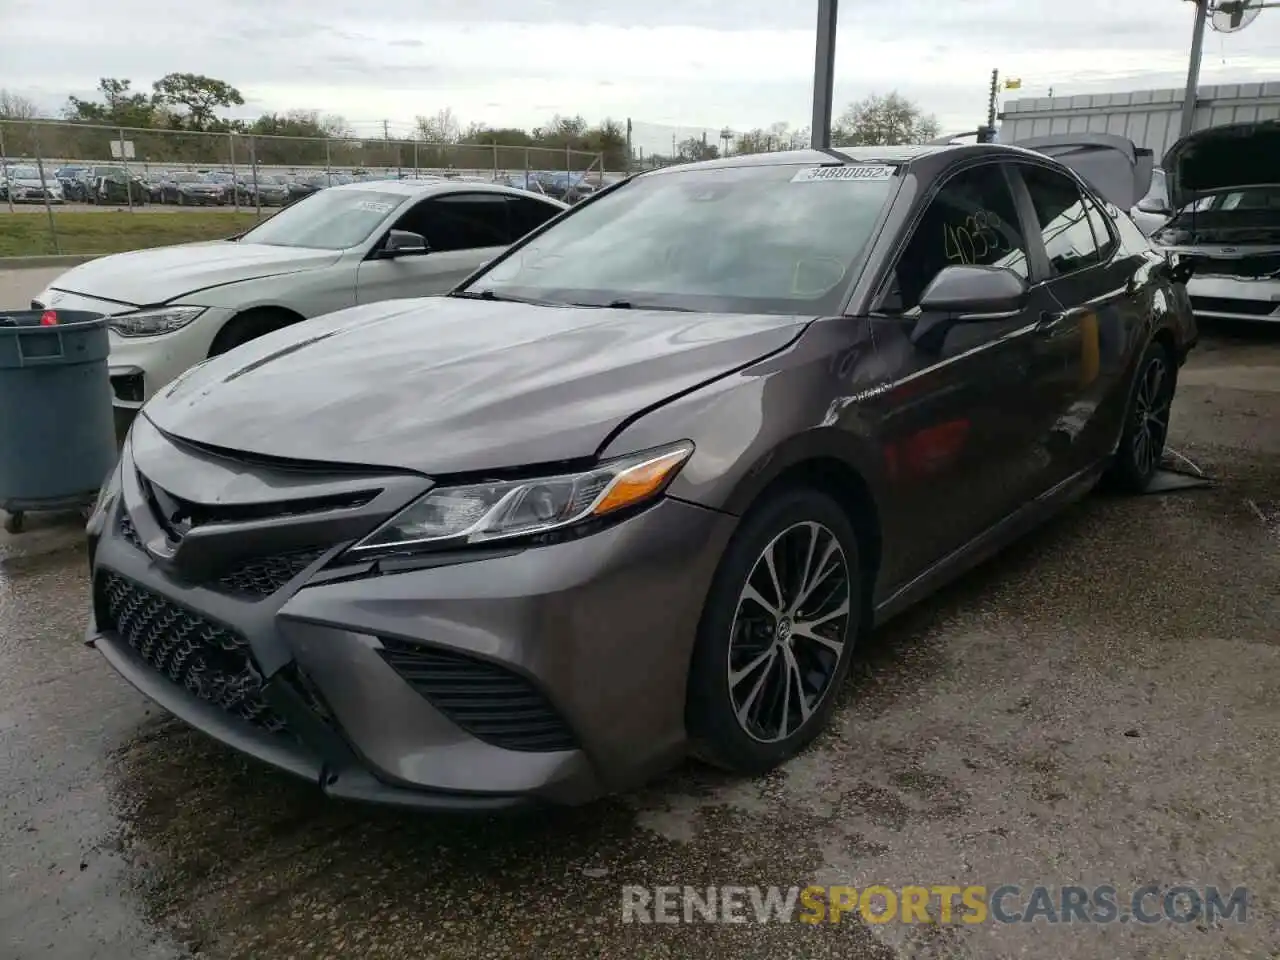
309, 293
750, 427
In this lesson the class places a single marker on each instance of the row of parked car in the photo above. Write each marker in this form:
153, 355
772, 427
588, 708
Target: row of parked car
113, 184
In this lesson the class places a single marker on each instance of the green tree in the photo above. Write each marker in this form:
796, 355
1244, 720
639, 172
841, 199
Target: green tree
120, 106
198, 96
881, 121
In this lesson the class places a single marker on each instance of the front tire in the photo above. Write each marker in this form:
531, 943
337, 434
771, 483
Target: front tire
1146, 423
249, 326
777, 633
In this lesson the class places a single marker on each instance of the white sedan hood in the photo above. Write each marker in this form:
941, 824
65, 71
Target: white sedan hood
162, 274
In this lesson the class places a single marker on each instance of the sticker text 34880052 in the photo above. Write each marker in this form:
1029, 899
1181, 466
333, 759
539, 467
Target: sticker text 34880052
857, 171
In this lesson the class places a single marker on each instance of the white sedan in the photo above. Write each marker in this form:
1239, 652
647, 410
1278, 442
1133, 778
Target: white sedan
172, 307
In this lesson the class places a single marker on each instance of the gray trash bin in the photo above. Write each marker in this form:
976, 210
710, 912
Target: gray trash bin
57, 431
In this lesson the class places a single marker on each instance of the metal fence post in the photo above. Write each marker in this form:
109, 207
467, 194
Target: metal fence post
495, 163
128, 177
328, 175
48, 207
526, 168
235, 179
253, 157
4, 166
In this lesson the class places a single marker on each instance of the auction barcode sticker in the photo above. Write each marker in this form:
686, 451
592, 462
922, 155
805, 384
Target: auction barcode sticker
857, 171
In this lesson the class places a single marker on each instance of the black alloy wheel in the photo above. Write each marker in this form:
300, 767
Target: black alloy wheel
777, 634
1146, 427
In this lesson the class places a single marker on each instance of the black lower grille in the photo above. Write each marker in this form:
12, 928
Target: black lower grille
489, 702
210, 660
1252, 308
262, 576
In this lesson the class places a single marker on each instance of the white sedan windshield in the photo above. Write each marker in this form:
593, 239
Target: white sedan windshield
328, 220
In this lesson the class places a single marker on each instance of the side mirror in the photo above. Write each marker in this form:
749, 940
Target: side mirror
967, 294
1154, 205
402, 243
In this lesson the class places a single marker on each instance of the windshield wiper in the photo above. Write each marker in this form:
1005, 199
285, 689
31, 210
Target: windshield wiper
628, 305
503, 298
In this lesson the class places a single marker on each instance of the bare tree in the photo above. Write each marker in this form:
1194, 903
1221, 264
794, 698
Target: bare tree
16, 107
882, 121
441, 127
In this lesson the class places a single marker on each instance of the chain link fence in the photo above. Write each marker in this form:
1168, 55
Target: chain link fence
58, 165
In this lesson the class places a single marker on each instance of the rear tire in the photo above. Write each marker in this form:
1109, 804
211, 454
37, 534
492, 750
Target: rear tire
1146, 423
777, 633
249, 326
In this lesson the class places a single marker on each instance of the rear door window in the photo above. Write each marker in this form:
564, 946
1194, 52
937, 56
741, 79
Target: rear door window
1064, 220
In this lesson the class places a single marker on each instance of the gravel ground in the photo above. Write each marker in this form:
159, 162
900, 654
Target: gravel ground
1097, 705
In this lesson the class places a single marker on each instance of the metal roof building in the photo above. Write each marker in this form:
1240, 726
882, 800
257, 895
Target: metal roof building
1149, 118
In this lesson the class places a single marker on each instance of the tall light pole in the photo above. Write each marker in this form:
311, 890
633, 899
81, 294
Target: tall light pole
824, 73
1193, 69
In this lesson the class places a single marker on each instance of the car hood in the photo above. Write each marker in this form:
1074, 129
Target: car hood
444, 385
159, 275
1222, 158
28, 183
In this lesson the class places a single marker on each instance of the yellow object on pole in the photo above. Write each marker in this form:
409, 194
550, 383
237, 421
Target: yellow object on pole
1013, 83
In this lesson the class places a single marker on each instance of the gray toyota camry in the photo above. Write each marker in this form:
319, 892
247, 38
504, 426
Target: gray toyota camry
636, 489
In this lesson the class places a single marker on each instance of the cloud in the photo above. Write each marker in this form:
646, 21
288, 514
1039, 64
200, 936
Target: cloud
671, 65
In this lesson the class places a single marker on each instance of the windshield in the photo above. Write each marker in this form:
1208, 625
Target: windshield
773, 239
1248, 198
24, 173
328, 220
187, 178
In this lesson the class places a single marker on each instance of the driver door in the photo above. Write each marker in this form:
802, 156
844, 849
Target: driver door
961, 446
463, 231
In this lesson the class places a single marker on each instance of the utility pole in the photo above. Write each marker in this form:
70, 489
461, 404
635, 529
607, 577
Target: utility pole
987, 134
629, 157
824, 73
1193, 68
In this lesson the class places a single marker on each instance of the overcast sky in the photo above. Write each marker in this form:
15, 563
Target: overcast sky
687, 63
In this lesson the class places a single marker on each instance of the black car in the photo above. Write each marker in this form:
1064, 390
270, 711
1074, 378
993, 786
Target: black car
75, 183
271, 189
639, 486
154, 183
186, 188
114, 185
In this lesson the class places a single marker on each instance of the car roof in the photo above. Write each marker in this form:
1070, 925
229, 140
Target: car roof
424, 188
905, 154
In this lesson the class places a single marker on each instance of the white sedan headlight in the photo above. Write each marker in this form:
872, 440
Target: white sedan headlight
501, 510
155, 321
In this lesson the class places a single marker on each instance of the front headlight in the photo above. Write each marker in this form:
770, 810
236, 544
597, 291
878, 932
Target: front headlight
151, 323
106, 499
484, 512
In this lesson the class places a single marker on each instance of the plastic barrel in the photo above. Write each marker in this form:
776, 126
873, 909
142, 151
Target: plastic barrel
57, 431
